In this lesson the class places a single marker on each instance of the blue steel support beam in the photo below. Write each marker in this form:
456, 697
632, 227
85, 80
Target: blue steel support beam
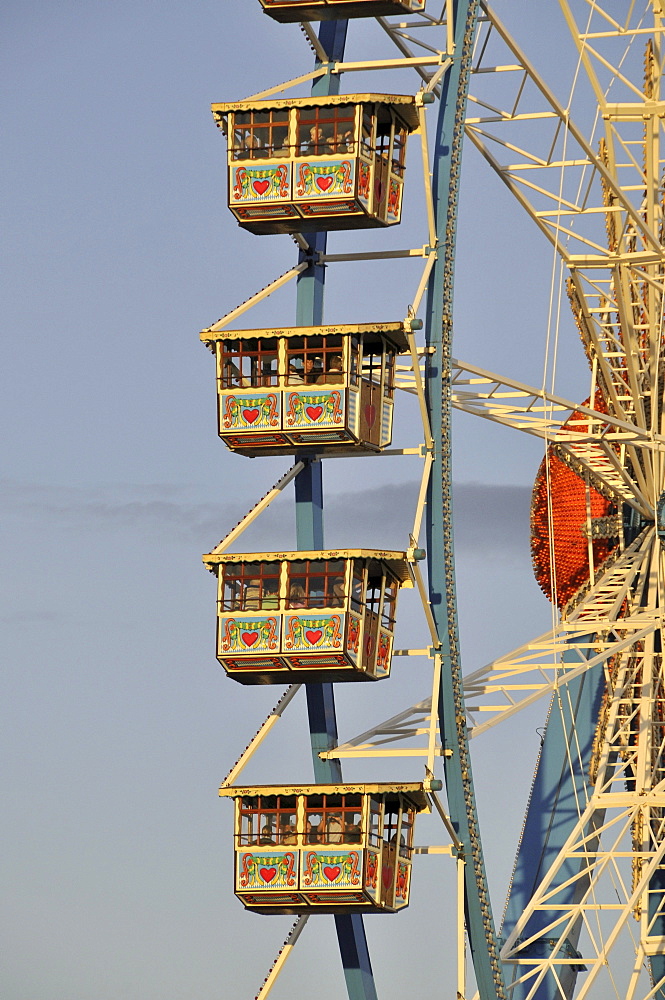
309, 307
452, 715
557, 795
657, 962
320, 697
309, 528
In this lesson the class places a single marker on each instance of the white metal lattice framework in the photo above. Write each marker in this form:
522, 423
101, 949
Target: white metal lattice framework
596, 192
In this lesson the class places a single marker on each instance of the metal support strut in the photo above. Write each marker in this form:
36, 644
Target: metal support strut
309, 534
452, 713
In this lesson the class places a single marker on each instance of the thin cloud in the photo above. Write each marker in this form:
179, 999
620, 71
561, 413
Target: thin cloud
488, 518
29, 617
491, 518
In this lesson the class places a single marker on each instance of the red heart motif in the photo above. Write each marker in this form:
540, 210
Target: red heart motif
268, 874
369, 644
370, 414
323, 183
261, 186
249, 638
313, 636
313, 412
331, 873
387, 873
250, 415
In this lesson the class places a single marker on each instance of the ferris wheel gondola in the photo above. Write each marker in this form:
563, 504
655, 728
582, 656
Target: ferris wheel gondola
288, 163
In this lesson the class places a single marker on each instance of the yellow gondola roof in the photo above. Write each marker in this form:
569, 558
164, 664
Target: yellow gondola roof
414, 791
396, 561
405, 105
395, 332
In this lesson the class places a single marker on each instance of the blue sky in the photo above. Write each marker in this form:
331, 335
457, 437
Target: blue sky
119, 725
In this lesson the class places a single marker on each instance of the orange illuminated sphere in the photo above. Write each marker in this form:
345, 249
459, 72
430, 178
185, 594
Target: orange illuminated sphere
567, 544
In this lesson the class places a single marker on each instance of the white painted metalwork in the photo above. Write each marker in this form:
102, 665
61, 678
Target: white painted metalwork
515, 404
259, 296
596, 192
282, 956
417, 721
260, 735
258, 508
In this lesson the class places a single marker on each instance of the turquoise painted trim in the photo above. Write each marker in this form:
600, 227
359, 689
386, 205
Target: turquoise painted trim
452, 715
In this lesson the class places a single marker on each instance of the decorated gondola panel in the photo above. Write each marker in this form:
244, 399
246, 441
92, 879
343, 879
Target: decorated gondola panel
287, 11
295, 163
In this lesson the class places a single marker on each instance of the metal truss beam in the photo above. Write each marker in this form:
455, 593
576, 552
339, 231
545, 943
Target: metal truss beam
457, 767
545, 144
611, 611
589, 887
589, 442
523, 407
557, 795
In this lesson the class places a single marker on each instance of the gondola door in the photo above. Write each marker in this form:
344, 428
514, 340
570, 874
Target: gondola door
372, 620
371, 395
389, 854
382, 154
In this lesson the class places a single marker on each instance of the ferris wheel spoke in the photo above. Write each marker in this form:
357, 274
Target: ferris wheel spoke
599, 461
612, 600
401, 35
595, 881
417, 723
586, 441
507, 686
524, 407
504, 687
585, 438
585, 876
546, 145
607, 328
601, 28
605, 622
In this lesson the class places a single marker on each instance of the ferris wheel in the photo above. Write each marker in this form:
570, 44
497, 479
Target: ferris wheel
585, 914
